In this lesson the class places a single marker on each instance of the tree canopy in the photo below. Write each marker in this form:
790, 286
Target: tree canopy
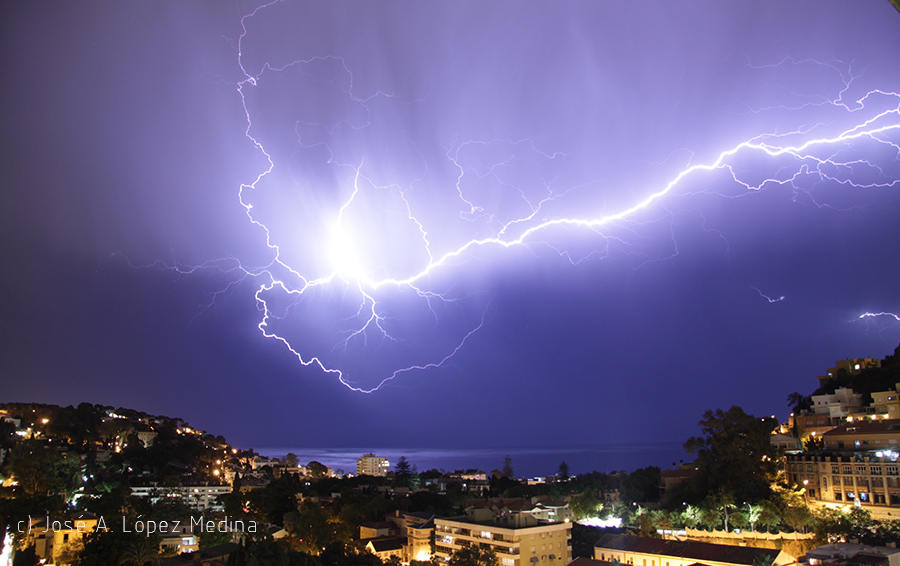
734, 454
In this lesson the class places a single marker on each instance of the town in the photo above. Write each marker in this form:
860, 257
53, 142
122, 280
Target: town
99, 485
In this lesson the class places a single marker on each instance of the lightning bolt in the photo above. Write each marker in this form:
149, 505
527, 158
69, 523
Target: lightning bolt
878, 314
768, 298
356, 277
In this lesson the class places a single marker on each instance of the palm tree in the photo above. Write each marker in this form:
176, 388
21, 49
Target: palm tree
141, 552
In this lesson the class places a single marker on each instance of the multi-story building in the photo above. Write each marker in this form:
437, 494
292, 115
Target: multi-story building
863, 435
830, 410
417, 530
197, 497
372, 465
646, 551
859, 466
886, 404
517, 539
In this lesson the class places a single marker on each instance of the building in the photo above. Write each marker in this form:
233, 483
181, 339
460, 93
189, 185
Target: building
671, 479
863, 435
197, 497
517, 539
417, 530
852, 366
850, 554
785, 442
385, 547
831, 410
378, 529
214, 556
535, 509
886, 404
177, 537
859, 466
56, 538
646, 551
372, 465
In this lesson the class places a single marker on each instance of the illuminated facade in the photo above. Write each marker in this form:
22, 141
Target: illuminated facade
859, 466
646, 551
55, 539
197, 497
372, 465
544, 544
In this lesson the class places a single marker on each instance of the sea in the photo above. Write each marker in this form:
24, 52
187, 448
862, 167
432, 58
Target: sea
526, 462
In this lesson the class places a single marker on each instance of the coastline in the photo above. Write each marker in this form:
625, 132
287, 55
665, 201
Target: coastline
527, 462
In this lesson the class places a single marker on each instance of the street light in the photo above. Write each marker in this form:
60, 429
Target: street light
806, 492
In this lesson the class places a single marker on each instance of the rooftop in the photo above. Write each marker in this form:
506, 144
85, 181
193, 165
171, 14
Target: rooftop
690, 550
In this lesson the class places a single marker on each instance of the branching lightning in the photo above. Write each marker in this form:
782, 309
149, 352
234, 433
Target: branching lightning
365, 285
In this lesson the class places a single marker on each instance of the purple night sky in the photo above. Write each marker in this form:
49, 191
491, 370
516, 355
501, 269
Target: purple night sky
493, 224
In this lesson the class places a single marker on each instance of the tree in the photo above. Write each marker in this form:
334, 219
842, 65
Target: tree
26, 557
692, 516
734, 454
290, 460
642, 485
507, 470
753, 515
40, 469
317, 470
813, 443
798, 401
585, 505
721, 503
563, 473
472, 555
402, 469
141, 552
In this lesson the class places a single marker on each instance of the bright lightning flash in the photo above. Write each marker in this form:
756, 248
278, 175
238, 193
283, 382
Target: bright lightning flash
385, 265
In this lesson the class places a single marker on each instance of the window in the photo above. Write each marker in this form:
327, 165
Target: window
847, 469
809, 467
891, 470
875, 470
860, 470
835, 469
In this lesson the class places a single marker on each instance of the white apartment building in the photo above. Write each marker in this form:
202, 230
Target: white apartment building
372, 465
197, 497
